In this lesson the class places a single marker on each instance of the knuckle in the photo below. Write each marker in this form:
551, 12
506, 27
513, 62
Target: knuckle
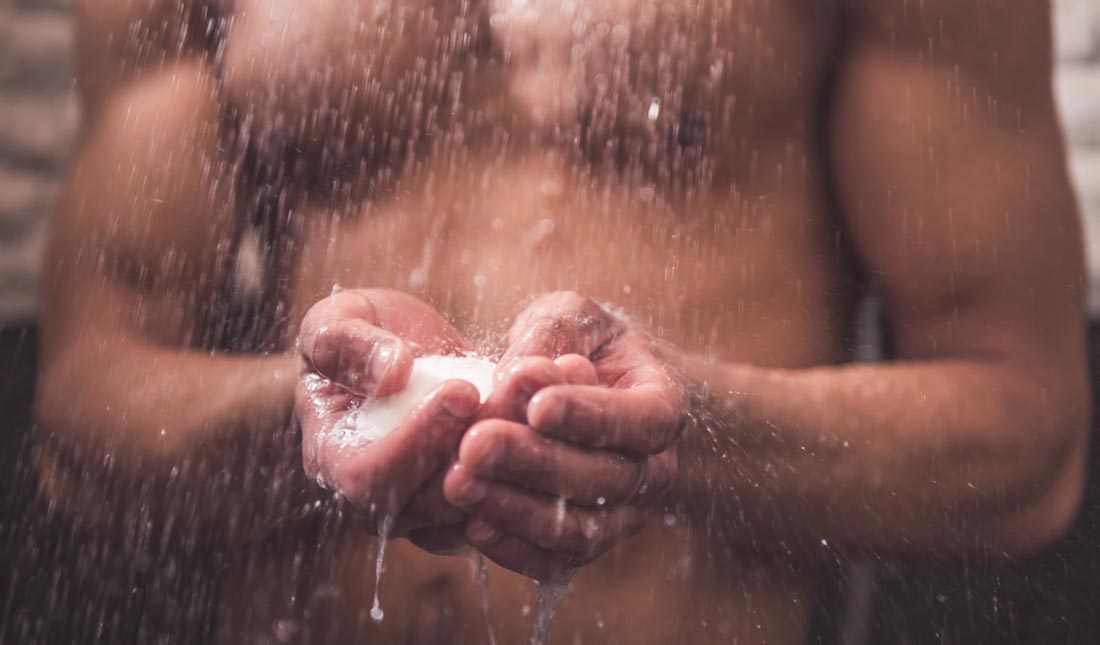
621, 482
573, 300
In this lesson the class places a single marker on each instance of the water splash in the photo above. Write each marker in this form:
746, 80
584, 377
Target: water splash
549, 596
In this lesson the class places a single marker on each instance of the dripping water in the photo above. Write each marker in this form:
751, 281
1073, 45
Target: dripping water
376, 613
549, 596
481, 574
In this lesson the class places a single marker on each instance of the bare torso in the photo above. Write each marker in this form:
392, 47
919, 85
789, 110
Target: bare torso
666, 159
710, 224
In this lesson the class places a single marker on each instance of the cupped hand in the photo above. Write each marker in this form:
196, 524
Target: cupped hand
577, 441
360, 344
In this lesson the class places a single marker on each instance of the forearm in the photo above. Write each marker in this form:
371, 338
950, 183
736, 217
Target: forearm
907, 458
159, 433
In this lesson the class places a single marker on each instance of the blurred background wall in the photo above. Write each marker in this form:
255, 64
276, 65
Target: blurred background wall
1077, 88
37, 125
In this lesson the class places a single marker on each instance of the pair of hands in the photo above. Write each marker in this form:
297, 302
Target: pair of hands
563, 460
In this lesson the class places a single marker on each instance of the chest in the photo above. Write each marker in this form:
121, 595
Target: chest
638, 62
674, 107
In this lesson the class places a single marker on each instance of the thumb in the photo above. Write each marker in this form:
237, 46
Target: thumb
352, 352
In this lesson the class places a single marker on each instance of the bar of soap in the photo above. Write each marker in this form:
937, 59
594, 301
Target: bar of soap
376, 418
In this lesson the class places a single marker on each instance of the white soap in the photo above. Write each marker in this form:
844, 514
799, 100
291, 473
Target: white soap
376, 418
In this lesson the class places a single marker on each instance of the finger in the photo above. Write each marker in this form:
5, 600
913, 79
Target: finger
639, 420
577, 370
398, 313
341, 340
365, 339
516, 554
428, 509
561, 323
353, 353
382, 476
516, 382
513, 453
550, 523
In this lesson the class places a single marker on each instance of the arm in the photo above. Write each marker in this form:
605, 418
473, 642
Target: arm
951, 182
138, 424
122, 41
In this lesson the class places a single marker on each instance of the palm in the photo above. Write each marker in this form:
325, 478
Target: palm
358, 345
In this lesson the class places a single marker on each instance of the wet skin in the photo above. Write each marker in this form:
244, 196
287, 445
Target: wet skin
732, 194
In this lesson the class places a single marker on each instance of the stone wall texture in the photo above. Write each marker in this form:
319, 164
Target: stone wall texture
38, 120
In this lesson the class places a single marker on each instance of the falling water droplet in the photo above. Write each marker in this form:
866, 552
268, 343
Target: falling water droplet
654, 109
376, 613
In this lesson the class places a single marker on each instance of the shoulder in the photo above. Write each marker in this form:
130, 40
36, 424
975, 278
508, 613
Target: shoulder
152, 191
952, 25
1000, 49
122, 41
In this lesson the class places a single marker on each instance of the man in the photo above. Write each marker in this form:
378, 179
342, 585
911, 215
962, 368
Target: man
703, 190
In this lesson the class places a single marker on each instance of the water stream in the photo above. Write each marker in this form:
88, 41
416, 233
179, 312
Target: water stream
376, 613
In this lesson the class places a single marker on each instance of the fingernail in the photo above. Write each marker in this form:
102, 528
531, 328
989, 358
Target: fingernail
381, 359
461, 407
474, 491
545, 413
480, 533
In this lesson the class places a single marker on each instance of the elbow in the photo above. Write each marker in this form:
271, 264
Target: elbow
94, 464
1040, 465
1039, 526
1046, 502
